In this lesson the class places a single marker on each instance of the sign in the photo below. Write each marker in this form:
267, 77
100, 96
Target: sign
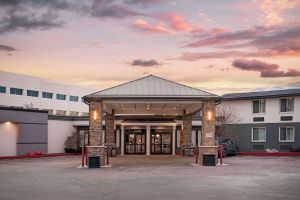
209, 135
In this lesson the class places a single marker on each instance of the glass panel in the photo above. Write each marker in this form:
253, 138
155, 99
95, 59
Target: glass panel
282, 105
178, 139
32, 93
166, 142
2, 89
256, 106
255, 134
117, 138
135, 141
262, 106
16, 91
282, 133
194, 140
261, 135
290, 105
290, 134
47, 95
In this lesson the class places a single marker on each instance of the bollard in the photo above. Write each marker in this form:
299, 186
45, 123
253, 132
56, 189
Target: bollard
197, 154
86, 156
82, 156
107, 155
221, 154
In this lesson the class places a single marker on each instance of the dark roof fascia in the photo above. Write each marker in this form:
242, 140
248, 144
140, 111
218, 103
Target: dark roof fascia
68, 118
23, 110
259, 96
156, 98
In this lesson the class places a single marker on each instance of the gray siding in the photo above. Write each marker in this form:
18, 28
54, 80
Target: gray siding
243, 134
33, 129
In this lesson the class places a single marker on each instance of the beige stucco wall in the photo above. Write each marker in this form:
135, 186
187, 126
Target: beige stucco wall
58, 131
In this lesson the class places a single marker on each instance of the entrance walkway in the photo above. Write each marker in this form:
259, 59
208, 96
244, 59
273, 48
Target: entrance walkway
153, 160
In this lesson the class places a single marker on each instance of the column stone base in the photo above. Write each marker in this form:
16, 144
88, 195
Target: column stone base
208, 150
97, 151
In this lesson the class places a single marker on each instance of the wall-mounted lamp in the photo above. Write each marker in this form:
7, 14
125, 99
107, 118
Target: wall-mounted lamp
95, 115
148, 106
209, 115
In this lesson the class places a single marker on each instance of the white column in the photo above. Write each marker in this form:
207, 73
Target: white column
148, 138
173, 140
122, 140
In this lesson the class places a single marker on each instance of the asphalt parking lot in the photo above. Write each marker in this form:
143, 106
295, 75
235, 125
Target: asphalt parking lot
157, 177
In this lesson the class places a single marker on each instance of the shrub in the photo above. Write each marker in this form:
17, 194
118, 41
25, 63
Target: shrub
71, 150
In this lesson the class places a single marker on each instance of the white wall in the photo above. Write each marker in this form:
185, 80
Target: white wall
242, 109
58, 131
8, 138
24, 82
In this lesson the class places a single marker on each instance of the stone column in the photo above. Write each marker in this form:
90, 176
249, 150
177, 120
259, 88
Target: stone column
122, 139
173, 140
208, 143
110, 130
95, 115
148, 138
186, 134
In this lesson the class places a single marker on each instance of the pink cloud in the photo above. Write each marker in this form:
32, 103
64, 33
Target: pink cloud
143, 26
266, 70
175, 21
216, 31
272, 11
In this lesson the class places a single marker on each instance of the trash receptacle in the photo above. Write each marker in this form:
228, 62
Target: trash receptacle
94, 162
189, 152
113, 152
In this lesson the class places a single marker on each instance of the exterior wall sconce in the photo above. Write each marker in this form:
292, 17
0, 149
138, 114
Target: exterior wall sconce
95, 115
209, 115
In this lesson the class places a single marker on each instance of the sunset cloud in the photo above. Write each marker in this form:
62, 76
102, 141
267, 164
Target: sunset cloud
145, 63
109, 9
267, 70
272, 10
175, 21
259, 41
143, 26
143, 2
7, 48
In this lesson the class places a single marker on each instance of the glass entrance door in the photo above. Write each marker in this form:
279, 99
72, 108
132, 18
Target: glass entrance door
161, 141
135, 141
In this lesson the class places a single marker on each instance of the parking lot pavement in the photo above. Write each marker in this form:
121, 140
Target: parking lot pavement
152, 177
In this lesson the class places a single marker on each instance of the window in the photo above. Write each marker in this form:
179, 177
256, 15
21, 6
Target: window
286, 134
73, 113
286, 104
74, 98
2, 89
60, 96
259, 106
84, 114
61, 112
32, 93
16, 91
258, 134
47, 95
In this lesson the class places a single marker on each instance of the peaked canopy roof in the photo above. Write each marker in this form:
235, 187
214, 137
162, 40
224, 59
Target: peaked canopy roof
151, 87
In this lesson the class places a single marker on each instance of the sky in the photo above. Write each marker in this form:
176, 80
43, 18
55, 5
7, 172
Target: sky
221, 46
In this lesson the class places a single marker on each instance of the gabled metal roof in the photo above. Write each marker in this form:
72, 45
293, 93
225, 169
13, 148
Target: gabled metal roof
151, 87
263, 94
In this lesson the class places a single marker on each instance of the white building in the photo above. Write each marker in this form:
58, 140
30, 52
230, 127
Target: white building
266, 119
22, 91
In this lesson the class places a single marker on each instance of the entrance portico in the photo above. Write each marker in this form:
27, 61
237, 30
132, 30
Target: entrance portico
149, 111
